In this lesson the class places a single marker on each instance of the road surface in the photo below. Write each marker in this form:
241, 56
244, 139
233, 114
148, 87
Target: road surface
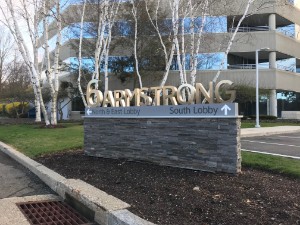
281, 144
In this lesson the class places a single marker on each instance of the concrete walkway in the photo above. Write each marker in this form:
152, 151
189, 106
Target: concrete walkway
17, 181
264, 131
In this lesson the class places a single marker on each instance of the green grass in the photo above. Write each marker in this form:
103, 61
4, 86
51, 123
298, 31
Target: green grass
251, 124
277, 164
33, 141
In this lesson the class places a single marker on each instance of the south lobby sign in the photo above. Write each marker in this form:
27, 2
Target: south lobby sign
161, 125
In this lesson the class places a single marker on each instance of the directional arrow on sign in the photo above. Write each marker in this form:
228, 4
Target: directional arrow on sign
225, 108
89, 112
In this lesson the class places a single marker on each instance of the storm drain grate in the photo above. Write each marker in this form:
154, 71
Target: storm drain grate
52, 213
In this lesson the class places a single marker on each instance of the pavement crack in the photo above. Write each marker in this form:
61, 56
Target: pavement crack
16, 192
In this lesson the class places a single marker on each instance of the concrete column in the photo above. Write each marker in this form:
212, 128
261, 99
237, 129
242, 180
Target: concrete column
297, 32
298, 65
272, 60
273, 103
272, 22
297, 3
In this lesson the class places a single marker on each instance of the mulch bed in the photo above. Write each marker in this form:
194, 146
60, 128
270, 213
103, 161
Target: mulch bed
14, 121
172, 196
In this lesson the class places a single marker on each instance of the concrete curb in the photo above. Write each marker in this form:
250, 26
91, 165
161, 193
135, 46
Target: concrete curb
107, 209
255, 132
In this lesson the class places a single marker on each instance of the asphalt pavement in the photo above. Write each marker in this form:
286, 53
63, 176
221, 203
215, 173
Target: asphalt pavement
287, 144
17, 181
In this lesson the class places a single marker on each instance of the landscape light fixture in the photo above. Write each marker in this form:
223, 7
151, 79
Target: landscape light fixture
257, 91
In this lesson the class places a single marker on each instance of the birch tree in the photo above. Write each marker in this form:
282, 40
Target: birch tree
249, 3
108, 11
80, 54
184, 15
134, 4
180, 11
168, 54
232, 38
6, 50
11, 21
196, 38
52, 70
33, 12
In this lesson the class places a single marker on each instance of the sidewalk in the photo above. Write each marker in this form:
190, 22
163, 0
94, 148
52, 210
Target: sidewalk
17, 181
264, 131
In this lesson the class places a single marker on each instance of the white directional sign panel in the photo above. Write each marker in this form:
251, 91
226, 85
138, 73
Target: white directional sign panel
180, 111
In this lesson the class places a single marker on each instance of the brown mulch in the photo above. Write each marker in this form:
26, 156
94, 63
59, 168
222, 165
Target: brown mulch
14, 121
172, 196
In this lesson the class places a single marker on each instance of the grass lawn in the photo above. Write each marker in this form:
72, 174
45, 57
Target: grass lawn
34, 141
286, 166
251, 124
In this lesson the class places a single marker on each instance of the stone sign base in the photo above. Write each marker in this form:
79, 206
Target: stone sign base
193, 143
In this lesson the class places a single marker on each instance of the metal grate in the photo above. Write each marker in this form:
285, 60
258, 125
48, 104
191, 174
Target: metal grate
52, 213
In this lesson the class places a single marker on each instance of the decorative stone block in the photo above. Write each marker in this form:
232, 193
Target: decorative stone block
194, 143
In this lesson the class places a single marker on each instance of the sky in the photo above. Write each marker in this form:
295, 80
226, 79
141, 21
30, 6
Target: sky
21, 22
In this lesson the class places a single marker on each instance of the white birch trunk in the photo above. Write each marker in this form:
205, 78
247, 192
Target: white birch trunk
106, 58
99, 43
183, 52
48, 71
113, 11
232, 39
168, 55
175, 26
56, 65
34, 40
195, 49
109, 11
15, 30
230, 43
134, 13
168, 66
180, 46
80, 56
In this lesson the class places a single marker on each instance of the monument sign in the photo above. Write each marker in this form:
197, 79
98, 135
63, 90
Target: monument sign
165, 125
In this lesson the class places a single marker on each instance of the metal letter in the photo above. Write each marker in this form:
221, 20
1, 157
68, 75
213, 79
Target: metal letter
146, 100
129, 96
209, 96
191, 94
119, 98
157, 91
232, 93
169, 92
108, 99
94, 97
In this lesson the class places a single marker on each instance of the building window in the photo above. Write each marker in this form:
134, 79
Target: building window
87, 63
213, 24
287, 30
206, 61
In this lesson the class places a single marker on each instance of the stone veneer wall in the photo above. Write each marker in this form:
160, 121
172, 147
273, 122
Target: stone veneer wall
200, 144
